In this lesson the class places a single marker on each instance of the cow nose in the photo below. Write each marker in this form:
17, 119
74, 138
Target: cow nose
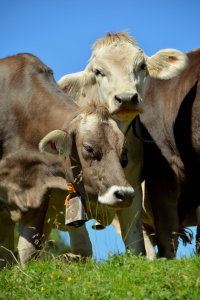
126, 98
120, 195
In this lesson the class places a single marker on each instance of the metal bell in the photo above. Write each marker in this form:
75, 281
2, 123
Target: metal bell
98, 226
75, 214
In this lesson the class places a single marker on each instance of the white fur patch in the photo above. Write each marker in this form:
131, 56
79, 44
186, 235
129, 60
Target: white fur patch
88, 122
109, 197
91, 122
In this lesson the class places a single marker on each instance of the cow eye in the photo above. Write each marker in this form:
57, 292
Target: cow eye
97, 72
124, 159
88, 149
143, 66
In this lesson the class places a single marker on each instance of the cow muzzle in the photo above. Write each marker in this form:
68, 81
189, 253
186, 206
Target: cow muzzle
127, 105
118, 197
126, 99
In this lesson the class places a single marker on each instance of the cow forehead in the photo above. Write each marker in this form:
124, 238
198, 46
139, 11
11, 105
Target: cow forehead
118, 53
93, 124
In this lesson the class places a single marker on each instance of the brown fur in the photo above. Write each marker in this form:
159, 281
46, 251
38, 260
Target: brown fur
172, 166
26, 87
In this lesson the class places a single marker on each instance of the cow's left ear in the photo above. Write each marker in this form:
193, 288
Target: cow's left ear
57, 142
166, 63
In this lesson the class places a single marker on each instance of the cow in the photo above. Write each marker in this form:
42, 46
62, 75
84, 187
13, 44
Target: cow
171, 167
36, 117
115, 73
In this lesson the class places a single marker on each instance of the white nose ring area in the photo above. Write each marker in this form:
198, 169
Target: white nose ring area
116, 195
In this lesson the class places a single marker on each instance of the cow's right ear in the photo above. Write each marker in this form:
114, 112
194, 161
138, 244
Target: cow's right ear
57, 142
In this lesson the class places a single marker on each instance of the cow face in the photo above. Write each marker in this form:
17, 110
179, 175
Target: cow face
116, 73
119, 70
98, 152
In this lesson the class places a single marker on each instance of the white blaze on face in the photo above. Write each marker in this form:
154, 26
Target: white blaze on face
90, 122
87, 123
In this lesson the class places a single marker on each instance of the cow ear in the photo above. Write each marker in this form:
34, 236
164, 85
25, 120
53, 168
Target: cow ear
57, 142
71, 84
166, 63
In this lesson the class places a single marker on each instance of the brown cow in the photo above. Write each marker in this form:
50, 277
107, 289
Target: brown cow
172, 166
32, 105
116, 73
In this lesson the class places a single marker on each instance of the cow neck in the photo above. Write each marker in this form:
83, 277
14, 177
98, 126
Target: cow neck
73, 171
133, 125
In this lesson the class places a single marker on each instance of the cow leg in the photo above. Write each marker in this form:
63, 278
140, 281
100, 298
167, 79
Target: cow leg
130, 220
55, 216
148, 241
31, 232
6, 239
79, 241
148, 226
198, 231
149, 244
166, 220
167, 232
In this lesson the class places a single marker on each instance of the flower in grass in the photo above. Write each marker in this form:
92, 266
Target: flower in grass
42, 289
69, 278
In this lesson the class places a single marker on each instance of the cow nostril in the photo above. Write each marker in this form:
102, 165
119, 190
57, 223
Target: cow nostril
119, 195
134, 98
122, 194
118, 100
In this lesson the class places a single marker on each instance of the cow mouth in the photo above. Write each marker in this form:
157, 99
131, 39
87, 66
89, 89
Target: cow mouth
115, 207
128, 111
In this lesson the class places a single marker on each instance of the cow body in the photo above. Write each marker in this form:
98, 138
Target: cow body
171, 119
32, 106
115, 74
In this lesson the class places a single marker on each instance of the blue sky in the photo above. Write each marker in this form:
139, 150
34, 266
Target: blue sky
61, 33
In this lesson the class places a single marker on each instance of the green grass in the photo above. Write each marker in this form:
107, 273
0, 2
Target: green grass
121, 277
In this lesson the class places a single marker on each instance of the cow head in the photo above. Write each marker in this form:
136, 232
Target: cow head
116, 72
97, 150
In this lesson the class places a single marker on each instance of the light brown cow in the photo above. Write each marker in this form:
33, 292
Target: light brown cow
115, 73
32, 105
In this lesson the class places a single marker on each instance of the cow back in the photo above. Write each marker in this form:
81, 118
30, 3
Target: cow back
31, 106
